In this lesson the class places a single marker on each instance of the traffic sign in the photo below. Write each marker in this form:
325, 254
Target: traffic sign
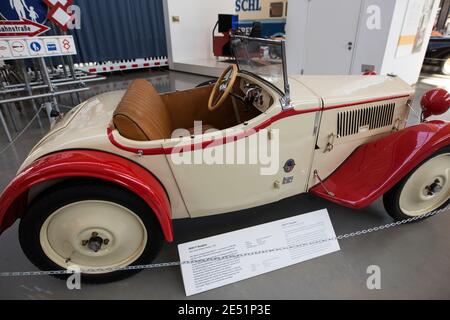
67, 45
18, 48
34, 10
24, 48
21, 28
36, 47
58, 13
5, 49
62, 3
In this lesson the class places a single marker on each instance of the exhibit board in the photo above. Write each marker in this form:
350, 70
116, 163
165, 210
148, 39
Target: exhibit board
413, 34
231, 257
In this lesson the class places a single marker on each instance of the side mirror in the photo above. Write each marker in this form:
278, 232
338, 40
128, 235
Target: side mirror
435, 102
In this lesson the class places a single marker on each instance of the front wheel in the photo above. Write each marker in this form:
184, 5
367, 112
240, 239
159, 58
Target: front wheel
96, 228
445, 66
423, 191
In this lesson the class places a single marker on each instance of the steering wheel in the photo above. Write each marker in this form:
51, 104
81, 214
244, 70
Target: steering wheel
223, 87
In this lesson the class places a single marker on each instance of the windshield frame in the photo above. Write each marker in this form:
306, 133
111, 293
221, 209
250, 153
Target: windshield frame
285, 100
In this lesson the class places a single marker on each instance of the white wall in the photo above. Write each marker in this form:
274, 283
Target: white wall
408, 67
191, 38
371, 43
296, 27
372, 47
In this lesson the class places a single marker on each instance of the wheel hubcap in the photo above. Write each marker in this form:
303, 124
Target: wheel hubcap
428, 188
94, 236
95, 242
434, 188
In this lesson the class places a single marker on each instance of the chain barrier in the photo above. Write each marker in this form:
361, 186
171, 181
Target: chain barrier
225, 257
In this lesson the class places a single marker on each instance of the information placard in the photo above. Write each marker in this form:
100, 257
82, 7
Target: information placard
300, 235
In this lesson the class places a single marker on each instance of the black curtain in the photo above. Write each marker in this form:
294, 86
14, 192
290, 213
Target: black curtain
120, 30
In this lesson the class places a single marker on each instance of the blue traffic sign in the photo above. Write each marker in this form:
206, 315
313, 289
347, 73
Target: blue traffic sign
52, 47
35, 46
34, 10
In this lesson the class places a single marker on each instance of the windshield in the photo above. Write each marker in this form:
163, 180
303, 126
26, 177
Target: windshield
262, 57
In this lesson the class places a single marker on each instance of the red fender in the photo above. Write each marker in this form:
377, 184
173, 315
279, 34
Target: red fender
84, 163
374, 168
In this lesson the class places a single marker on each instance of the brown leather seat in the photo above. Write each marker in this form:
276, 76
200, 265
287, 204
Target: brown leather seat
143, 116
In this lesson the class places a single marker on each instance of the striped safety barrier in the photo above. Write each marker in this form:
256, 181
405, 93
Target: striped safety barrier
122, 65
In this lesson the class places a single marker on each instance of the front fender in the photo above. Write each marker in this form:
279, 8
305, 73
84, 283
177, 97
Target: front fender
91, 164
374, 168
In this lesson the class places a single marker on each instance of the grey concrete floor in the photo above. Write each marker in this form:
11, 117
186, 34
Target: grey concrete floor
414, 259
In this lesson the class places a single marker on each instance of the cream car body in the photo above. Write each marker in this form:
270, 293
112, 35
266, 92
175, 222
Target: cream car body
235, 187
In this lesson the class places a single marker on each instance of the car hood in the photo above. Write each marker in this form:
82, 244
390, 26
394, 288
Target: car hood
336, 90
85, 126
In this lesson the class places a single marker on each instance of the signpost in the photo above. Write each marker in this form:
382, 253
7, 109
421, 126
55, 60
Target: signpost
21, 28
24, 22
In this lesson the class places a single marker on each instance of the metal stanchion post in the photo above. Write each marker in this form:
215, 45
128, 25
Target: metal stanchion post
5, 127
47, 80
52, 67
29, 91
72, 69
73, 73
9, 109
64, 67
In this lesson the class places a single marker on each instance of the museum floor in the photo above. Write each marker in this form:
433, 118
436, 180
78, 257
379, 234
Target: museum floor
414, 259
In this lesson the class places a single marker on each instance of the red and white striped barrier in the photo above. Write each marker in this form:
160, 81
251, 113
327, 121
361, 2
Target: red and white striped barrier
122, 65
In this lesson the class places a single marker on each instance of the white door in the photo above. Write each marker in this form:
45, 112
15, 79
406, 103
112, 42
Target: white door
330, 36
227, 185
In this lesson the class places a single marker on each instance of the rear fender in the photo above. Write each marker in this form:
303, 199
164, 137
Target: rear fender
87, 164
376, 167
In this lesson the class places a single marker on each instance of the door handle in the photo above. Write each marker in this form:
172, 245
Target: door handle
350, 45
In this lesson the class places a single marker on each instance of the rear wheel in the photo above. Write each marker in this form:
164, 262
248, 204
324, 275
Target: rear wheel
424, 190
97, 228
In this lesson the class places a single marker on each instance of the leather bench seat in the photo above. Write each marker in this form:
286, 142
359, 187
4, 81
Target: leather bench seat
142, 115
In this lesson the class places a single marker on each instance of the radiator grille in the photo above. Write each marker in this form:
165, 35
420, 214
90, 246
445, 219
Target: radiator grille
365, 119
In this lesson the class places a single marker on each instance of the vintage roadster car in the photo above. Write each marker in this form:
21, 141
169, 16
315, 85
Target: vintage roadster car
100, 191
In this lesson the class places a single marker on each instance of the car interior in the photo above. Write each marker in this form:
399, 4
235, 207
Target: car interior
145, 115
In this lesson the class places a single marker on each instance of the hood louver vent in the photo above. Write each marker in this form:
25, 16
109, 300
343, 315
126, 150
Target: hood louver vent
365, 119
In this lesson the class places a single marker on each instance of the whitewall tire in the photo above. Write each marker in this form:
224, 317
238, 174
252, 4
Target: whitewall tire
424, 190
97, 228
